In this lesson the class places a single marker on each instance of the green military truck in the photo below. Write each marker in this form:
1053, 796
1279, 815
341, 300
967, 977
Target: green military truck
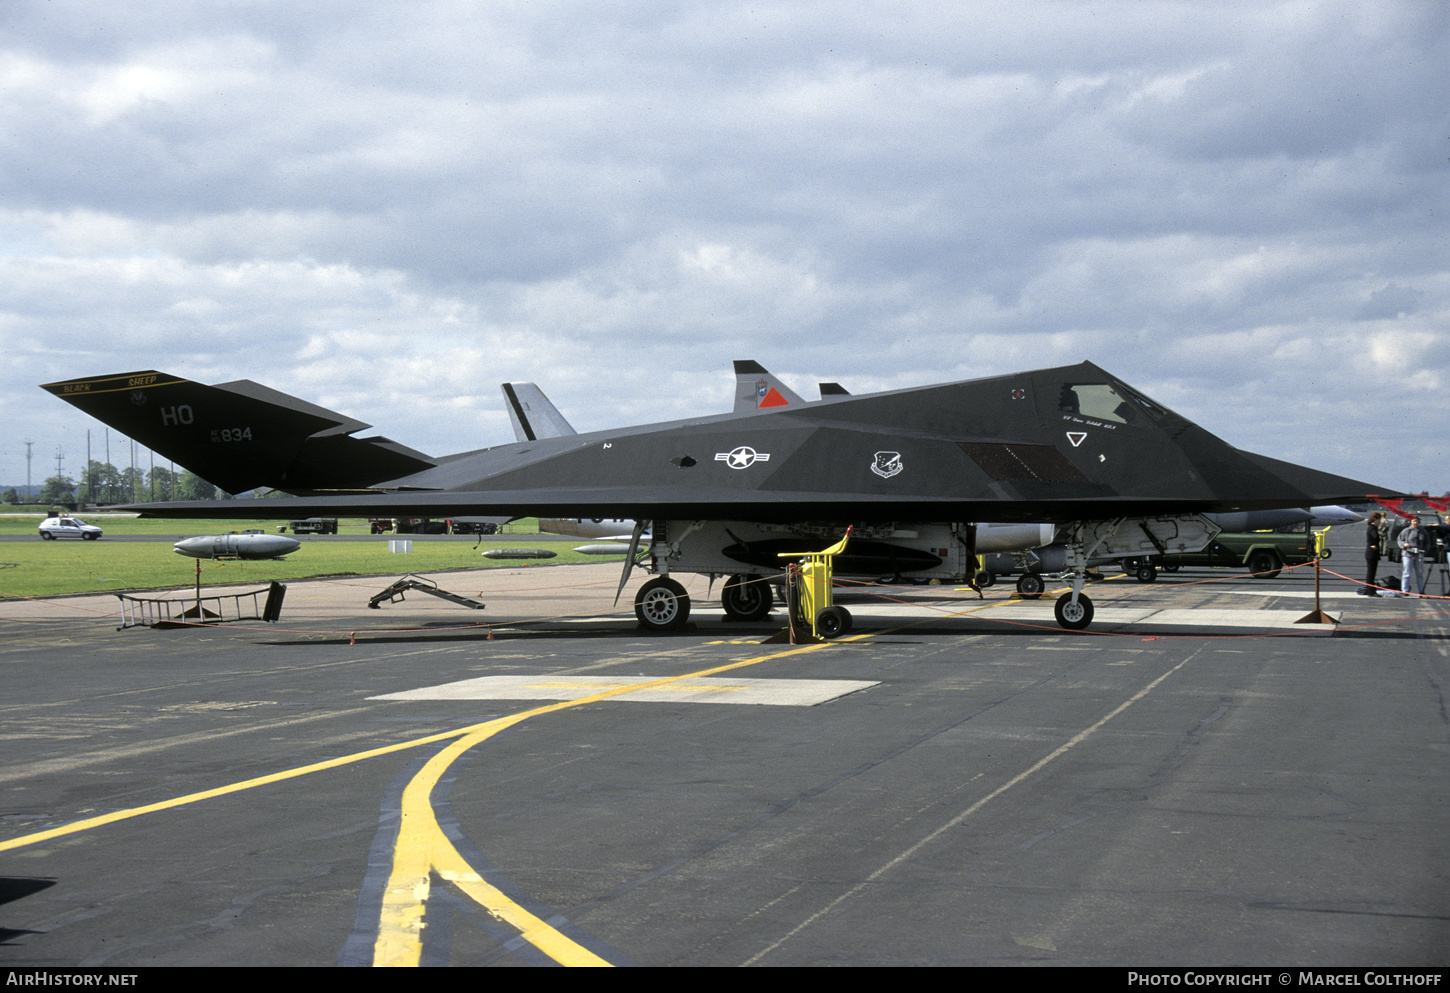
1263, 553
314, 525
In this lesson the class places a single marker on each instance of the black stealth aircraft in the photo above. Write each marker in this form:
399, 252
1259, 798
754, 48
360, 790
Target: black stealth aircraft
1071, 445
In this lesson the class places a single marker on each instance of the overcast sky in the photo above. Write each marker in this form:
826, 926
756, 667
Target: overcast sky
390, 208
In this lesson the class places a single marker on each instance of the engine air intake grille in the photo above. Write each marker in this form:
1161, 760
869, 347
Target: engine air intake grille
1019, 463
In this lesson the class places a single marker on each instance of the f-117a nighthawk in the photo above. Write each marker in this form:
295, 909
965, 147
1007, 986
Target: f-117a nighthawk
1072, 445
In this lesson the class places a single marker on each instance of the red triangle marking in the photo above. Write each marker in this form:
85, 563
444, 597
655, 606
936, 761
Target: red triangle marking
773, 399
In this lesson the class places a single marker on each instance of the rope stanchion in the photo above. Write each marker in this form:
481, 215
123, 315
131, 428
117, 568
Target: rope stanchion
1316, 616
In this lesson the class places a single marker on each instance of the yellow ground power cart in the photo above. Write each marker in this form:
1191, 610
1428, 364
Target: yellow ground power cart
808, 592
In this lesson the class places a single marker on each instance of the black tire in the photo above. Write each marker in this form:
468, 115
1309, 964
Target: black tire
746, 598
1030, 585
1264, 565
1073, 616
833, 622
46, 536
1147, 573
984, 578
1327, 553
90, 537
661, 605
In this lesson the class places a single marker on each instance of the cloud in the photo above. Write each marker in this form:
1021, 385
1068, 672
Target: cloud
390, 209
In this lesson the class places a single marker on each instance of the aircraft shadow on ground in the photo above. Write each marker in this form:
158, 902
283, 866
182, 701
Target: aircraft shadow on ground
945, 627
14, 888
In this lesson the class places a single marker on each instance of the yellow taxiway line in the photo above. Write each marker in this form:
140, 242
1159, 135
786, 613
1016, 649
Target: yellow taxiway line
421, 846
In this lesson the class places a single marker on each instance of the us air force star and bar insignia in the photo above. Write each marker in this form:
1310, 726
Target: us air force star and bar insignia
887, 464
742, 457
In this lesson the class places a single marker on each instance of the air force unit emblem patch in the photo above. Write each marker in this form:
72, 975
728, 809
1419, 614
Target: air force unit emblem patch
887, 464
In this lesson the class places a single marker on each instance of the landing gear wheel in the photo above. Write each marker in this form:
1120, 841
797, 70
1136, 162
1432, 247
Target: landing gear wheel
1073, 616
833, 622
1263, 565
745, 598
661, 605
985, 578
1147, 572
1029, 585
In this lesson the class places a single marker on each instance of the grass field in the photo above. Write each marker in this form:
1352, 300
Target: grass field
49, 568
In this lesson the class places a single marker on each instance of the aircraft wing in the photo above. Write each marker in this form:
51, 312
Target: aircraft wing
1062, 444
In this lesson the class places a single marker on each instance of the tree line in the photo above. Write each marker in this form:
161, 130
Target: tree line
103, 483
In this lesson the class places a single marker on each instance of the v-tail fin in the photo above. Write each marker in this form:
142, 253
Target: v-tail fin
241, 435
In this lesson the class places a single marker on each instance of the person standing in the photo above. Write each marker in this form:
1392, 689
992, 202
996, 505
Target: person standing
1413, 540
1376, 534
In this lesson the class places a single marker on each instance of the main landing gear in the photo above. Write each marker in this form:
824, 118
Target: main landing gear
746, 598
662, 605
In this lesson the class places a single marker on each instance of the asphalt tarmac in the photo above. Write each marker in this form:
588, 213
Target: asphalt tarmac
1193, 781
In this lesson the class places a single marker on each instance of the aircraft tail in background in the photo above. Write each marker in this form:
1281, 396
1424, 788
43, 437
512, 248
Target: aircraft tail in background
757, 389
532, 415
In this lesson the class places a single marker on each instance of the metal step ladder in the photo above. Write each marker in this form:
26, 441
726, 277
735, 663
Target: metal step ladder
396, 592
